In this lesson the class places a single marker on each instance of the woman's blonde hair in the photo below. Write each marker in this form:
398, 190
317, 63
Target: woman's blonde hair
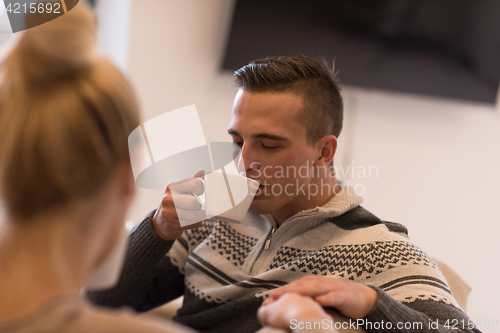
65, 116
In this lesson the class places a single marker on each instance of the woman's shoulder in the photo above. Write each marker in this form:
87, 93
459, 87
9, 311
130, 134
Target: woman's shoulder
124, 320
74, 315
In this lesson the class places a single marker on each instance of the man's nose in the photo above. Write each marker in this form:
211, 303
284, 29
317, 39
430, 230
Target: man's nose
247, 160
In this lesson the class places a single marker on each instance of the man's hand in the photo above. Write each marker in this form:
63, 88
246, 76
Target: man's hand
288, 307
352, 299
166, 219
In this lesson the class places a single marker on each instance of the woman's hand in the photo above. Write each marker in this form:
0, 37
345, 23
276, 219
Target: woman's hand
289, 310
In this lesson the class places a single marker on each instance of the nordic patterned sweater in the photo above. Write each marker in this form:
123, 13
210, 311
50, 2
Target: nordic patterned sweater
225, 270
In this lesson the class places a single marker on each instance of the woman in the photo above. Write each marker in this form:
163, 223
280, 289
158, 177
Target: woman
66, 180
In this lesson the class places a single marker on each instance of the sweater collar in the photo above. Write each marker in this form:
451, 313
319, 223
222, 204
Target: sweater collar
342, 202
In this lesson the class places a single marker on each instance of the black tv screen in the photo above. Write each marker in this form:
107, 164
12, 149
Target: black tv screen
447, 48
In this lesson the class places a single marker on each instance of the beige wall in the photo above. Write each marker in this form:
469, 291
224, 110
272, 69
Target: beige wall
113, 33
438, 173
437, 160
174, 53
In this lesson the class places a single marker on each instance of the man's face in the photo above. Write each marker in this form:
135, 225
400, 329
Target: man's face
273, 148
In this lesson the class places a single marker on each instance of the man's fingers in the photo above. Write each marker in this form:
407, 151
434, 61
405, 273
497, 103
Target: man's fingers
191, 185
186, 201
181, 186
275, 295
352, 299
179, 207
332, 299
200, 174
191, 215
305, 287
269, 300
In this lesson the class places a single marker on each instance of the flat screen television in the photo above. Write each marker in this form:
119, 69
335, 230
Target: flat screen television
446, 48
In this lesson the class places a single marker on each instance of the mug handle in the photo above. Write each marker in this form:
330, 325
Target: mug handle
197, 197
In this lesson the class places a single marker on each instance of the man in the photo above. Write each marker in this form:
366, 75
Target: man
286, 118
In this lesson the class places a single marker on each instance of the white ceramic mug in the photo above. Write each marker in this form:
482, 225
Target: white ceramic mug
227, 196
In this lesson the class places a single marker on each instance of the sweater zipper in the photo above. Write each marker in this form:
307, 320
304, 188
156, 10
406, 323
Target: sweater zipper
267, 245
268, 240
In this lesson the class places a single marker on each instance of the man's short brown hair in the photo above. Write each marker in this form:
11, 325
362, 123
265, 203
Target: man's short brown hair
312, 79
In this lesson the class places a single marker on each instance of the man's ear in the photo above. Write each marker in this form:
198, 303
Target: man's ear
327, 146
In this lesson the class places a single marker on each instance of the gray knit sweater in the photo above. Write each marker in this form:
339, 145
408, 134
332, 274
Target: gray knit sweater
225, 270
